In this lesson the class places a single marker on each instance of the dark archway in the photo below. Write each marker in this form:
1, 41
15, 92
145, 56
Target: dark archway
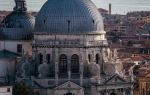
97, 58
89, 57
40, 58
113, 93
75, 63
69, 93
48, 58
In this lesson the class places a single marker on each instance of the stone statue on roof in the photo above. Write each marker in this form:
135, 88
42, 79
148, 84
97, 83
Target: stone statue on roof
43, 68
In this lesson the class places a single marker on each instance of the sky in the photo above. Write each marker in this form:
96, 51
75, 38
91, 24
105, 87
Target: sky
118, 6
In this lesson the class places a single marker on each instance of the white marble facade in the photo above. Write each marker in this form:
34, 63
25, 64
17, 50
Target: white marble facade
91, 79
67, 54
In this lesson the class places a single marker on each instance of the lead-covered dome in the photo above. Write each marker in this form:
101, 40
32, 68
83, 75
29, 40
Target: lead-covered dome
69, 16
19, 24
19, 20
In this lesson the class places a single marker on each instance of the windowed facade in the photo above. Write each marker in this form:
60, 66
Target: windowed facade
75, 63
63, 63
40, 58
19, 48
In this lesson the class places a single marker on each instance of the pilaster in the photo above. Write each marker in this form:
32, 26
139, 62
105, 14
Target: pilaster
81, 69
56, 66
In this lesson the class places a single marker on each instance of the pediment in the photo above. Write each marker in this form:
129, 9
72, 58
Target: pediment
115, 79
69, 85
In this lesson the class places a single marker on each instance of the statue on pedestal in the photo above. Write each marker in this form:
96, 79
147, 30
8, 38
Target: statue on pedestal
43, 68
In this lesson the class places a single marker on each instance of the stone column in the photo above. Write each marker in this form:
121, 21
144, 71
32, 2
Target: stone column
106, 93
86, 61
99, 93
56, 66
44, 57
81, 70
131, 91
34, 53
124, 92
56, 73
69, 67
81, 74
101, 61
94, 91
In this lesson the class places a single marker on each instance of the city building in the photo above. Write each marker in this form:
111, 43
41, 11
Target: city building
6, 90
65, 52
142, 86
103, 12
121, 27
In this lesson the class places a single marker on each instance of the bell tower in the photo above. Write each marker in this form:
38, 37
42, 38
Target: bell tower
20, 6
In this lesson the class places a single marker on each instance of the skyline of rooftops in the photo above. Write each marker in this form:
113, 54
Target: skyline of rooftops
118, 6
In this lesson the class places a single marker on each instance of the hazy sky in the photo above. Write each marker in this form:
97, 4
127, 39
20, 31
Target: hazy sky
118, 6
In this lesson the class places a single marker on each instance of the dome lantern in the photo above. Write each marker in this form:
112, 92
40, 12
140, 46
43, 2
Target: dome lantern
20, 5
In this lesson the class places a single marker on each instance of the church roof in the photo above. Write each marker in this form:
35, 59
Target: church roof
69, 17
115, 79
7, 54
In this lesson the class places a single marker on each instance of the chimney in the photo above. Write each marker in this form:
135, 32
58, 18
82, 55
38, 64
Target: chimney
109, 8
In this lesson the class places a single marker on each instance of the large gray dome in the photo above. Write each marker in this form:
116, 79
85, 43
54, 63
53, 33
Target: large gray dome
69, 16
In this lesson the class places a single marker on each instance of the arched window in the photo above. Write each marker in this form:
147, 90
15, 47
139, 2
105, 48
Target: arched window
69, 93
89, 57
112, 93
63, 63
48, 58
75, 63
97, 58
40, 58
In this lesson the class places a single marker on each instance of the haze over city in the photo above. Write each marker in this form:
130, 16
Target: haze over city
118, 6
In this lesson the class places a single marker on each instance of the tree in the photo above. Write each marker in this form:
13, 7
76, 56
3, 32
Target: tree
22, 89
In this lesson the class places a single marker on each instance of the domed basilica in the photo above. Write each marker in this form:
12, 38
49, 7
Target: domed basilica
63, 51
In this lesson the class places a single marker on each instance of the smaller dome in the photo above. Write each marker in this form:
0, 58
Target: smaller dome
17, 26
19, 20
